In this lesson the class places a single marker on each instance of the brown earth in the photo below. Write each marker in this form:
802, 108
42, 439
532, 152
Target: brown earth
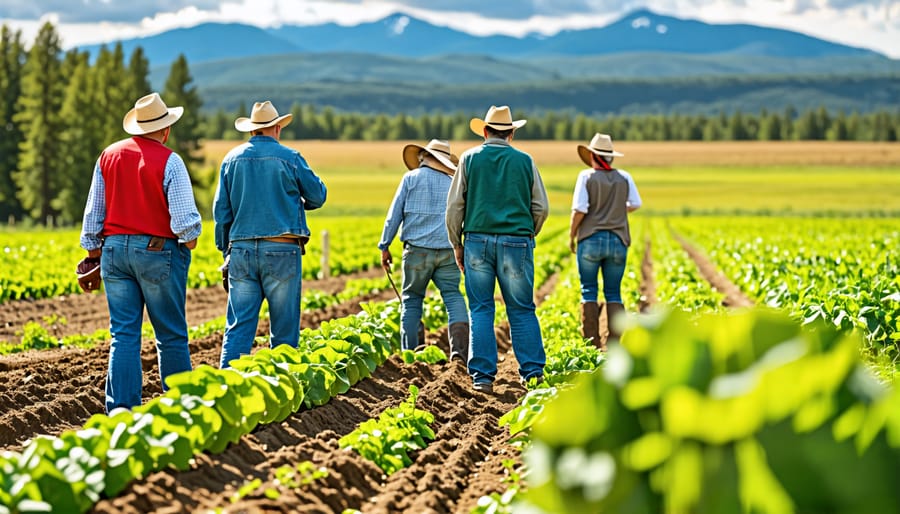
734, 297
51, 391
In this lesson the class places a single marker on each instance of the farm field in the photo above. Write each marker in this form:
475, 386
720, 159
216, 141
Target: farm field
811, 229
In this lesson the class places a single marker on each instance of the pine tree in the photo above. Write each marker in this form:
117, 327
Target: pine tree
185, 135
41, 157
82, 137
12, 59
138, 71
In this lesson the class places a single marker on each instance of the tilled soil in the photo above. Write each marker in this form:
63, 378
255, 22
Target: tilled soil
52, 391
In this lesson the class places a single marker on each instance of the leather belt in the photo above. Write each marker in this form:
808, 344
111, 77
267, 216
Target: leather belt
283, 239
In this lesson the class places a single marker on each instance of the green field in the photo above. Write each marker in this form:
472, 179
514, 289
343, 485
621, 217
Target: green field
673, 178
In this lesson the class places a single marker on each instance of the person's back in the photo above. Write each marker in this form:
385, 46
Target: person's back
500, 179
264, 191
420, 206
498, 201
267, 189
141, 223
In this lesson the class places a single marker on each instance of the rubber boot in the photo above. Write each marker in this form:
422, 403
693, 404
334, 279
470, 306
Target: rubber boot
613, 312
459, 341
590, 322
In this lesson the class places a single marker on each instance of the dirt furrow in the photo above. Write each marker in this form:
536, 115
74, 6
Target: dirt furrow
50, 391
734, 297
462, 463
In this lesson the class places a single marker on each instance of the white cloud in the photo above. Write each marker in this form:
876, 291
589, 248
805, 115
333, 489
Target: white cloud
868, 23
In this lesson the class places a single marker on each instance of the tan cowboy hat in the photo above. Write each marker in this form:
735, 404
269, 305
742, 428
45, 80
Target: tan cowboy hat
438, 149
263, 115
149, 115
498, 118
601, 144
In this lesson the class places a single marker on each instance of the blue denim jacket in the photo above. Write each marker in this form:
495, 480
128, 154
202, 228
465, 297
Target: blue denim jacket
265, 189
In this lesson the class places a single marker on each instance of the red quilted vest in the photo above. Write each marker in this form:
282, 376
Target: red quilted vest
133, 171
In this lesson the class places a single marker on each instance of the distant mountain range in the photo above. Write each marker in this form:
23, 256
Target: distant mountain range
404, 36
401, 64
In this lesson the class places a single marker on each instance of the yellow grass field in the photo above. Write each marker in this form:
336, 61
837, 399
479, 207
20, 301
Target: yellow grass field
672, 177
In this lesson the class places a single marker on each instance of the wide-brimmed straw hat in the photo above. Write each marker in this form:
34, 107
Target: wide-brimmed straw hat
149, 115
437, 148
601, 144
263, 115
498, 118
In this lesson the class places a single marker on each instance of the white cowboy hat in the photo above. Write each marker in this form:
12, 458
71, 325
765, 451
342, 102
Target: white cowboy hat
263, 115
601, 144
149, 115
438, 149
498, 118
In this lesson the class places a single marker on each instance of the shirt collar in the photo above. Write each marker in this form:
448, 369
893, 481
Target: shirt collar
496, 141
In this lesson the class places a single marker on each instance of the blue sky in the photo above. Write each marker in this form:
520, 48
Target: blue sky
873, 24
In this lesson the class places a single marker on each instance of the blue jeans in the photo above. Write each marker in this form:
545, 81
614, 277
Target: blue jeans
135, 277
261, 269
601, 252
509, 261
421, 265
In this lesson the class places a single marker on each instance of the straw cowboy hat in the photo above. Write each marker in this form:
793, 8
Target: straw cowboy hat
149, 115
601, 144
263, 115
498, 118
437, 148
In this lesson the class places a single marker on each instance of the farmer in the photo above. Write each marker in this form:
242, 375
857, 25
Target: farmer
600, 205
265, 189
141, 224
420, 206
498, 200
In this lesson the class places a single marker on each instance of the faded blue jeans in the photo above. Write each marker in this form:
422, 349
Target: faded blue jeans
135, 277
601, 252
509, 261
260, 270
421, 265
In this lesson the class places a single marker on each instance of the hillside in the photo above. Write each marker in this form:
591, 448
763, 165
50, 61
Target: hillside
696, 95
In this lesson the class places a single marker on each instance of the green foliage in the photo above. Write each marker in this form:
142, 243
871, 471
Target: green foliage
387, 440
12, 59
38, 115
432, 354
185, 135
728, 413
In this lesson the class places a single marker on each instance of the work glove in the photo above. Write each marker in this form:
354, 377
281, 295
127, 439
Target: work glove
88, 273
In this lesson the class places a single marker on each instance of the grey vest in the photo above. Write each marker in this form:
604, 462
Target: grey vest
607, 205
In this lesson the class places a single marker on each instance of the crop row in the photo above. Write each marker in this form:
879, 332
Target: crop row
845, 271
42, 264
203, 410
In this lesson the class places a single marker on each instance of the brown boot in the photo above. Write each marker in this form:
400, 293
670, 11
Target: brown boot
614, 311
459, 341
590, 323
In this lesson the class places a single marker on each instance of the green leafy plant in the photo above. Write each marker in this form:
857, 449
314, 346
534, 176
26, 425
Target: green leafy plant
431, 354
387, 440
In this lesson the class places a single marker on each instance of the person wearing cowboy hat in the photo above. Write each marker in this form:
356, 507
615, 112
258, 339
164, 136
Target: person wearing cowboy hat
264, 191
140, 224
601, 202
497, 199
420, 206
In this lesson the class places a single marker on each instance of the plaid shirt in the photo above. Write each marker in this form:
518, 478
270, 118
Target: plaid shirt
419, 205
185, 220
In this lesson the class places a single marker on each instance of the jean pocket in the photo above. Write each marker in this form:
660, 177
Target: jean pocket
282, 265
475, 250
515, 255
618, 250
414, 259
153, 266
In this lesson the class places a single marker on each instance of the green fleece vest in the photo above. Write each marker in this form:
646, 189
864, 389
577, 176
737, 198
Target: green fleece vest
498, 193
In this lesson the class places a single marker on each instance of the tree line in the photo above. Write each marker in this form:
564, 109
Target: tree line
58, 110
